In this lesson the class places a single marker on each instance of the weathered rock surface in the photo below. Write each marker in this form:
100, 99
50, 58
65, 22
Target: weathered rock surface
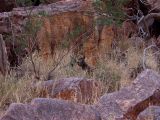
64, 24
130, 101
155, 4
63, 30
19, 16
151, 113
59, 23
93, 49
75, 89
49, 109
125, 104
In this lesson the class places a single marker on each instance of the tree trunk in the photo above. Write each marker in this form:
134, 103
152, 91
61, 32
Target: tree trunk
4, 64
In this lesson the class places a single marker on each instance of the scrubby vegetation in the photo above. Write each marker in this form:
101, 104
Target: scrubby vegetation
116, 67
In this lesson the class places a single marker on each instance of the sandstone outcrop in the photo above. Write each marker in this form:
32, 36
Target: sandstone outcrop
60, 24
19, 16
75, 89
62, 31
63, 24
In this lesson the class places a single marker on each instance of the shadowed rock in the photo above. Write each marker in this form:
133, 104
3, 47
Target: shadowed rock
130, 101
125, 104
74, 89
151, 113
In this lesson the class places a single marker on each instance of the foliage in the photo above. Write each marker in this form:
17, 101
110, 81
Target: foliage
72, 35
26, 2
31, 28
110, 12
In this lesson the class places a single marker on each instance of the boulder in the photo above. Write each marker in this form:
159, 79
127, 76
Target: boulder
127, 103
155, 4
151, 113
75, 89
50, 109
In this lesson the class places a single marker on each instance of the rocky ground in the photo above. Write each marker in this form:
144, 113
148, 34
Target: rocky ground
80, 60
126, 104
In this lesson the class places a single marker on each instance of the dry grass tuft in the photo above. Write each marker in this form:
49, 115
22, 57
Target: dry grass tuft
114, 69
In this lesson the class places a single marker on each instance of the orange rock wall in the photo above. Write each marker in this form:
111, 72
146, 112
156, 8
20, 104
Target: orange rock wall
60, 29
57, 30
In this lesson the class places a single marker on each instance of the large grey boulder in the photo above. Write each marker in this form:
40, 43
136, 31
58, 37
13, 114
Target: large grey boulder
130, 101
125, 104
49, 109
151, 113
79, 90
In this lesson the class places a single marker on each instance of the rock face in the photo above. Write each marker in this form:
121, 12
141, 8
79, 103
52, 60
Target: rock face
49, 109
92, 48
75, 89
130, 101
63, 24
151, 113
62, 30
125, 104
59, 24
154, 3
129, 29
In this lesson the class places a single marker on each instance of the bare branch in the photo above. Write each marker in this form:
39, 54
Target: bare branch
74, 46
144, 2
4, 64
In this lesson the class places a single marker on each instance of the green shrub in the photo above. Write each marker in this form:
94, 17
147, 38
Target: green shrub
72, 35
113, 13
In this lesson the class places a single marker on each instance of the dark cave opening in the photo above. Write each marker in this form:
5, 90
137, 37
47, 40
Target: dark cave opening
155, 29
143, 7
